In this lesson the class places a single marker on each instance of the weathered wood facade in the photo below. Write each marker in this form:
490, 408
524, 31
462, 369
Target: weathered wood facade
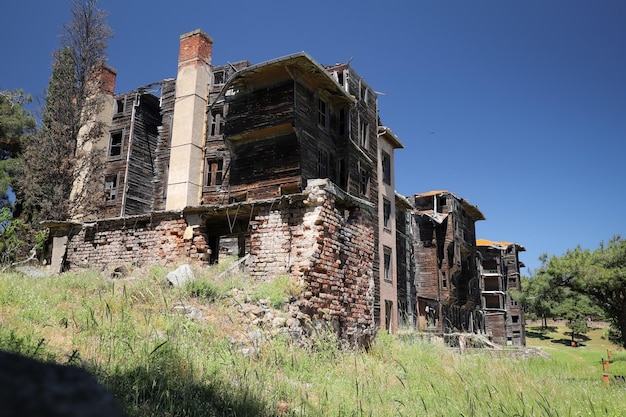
445, 251
500, 272
242, 151
137, 154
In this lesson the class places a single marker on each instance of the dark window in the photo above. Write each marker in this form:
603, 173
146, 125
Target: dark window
219, 77
115, 145
342, 122
444, 281
322, 113
110, 187
214, 172
217, 122
364, 182
386, 213
342, 173
119, 105
363, 91
386, 168
387, 264
364, 134
492, 301
515, 319
322, 164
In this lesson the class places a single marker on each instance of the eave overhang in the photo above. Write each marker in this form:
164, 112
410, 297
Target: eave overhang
299, 67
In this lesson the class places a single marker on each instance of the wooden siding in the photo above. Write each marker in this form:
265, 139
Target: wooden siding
141, 161
162, 152
256, 110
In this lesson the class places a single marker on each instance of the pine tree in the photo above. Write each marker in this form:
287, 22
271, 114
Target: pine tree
16, 124
61, 154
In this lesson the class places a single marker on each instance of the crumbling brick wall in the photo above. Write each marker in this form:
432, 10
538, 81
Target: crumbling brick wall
141, 240
324, 240
328, 250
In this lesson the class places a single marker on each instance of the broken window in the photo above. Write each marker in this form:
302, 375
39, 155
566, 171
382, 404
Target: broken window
492, 301
490, 266
387, 263
219, 77
214, 172
364, 134
363, 92
322, 164
364, 182
217, 122
386, 214
119, 105
110, 187
341, 129
115, 145
386, 160
343, 181
322, 113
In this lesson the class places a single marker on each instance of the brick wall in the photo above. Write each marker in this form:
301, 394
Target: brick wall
328, 250
135, 241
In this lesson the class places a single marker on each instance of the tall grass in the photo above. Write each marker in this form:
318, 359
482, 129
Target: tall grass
160, 363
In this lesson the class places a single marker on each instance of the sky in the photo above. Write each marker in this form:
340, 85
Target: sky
518, 107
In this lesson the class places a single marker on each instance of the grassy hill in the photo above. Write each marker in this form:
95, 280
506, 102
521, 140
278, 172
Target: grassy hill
229, 346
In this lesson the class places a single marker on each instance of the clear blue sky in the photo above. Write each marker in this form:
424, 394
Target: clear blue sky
518, 107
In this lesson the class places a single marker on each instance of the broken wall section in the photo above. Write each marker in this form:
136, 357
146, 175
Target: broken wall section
162, 239
326, 244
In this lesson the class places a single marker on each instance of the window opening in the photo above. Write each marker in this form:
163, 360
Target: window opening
342, 173
386, 161
364, 134
363, 91
322, 164
219, 77
110, 187
214, 172
386, 214
322, 113
120, 105
217, 122
363, 182
342, 122
387, 264
115, 145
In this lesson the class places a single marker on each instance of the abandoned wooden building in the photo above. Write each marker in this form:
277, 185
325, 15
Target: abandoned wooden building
446, 270
500, 272
289, 159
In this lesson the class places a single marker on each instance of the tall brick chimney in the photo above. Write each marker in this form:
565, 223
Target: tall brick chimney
106, 77
184, 185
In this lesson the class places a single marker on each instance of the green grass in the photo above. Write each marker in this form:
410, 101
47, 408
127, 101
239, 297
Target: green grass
160, 363
592, 348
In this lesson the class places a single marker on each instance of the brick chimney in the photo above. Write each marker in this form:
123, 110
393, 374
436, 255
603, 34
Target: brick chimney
184, 185
106, 77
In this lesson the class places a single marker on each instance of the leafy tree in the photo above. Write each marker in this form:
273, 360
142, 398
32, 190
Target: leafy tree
62, 154
543, 298
16, 124
600, 275
538, 298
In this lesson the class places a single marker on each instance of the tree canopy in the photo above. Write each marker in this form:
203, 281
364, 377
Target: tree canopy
16, 124
61, 154
599, 275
